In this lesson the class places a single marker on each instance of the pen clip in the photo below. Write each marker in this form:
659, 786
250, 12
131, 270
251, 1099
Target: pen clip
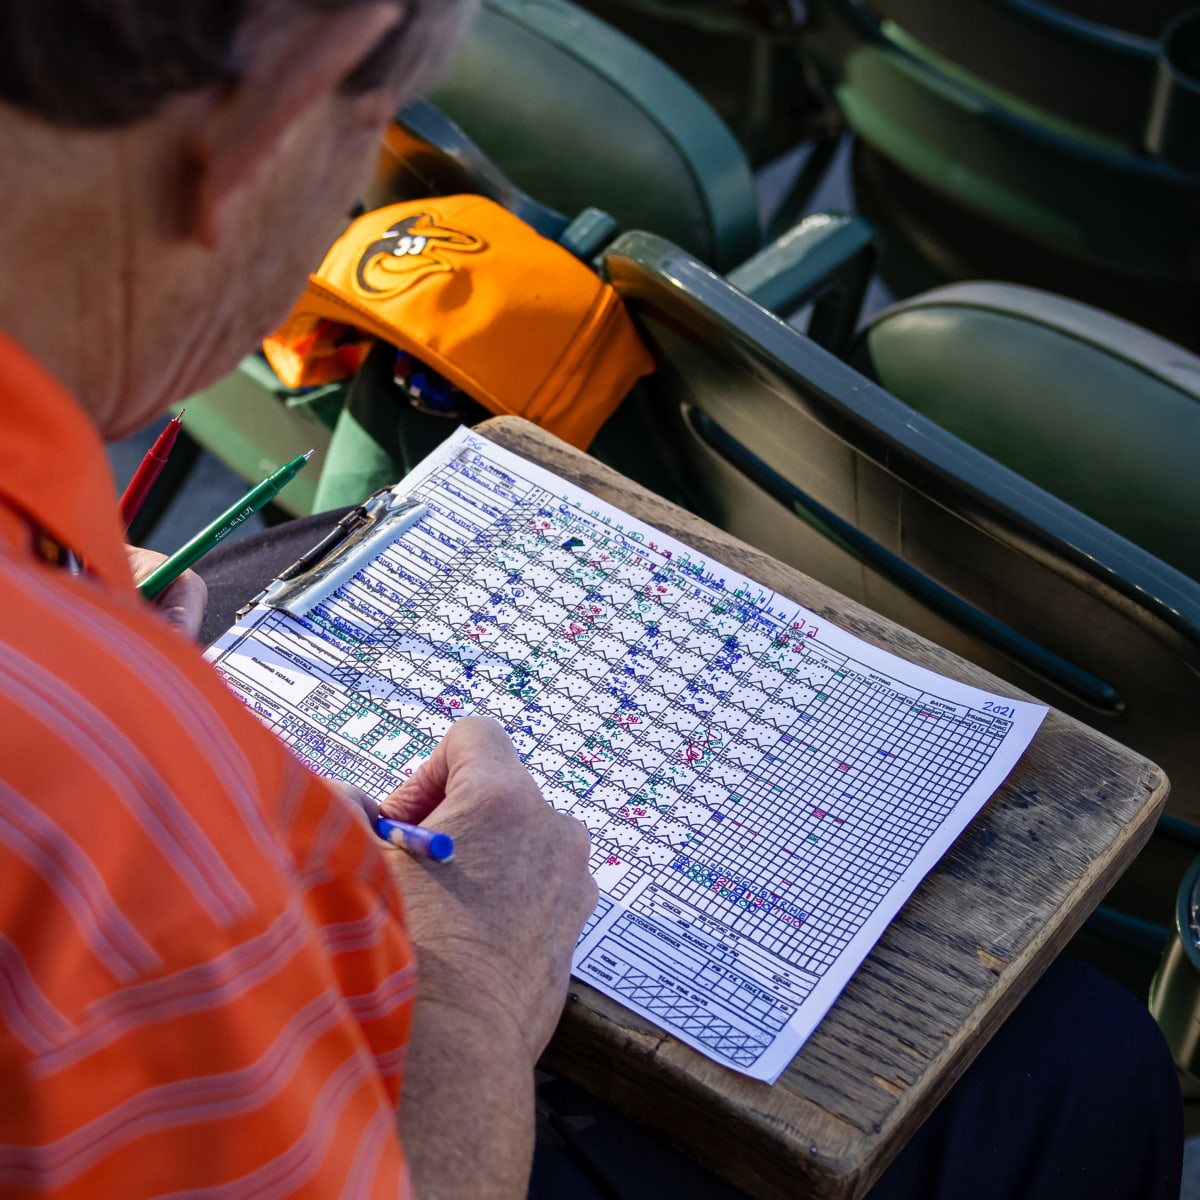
338, 557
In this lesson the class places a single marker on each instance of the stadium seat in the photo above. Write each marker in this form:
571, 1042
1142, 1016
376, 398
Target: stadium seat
786, 446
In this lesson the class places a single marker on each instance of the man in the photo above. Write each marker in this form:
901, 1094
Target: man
206, 977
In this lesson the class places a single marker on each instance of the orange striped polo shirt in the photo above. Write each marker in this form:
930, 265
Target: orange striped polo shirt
205, 985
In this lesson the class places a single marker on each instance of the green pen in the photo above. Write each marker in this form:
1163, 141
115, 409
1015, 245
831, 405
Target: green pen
211, 537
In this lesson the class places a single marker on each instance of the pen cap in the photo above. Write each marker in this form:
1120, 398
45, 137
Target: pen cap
441, 847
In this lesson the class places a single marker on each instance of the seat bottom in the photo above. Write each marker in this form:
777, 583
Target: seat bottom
930, 240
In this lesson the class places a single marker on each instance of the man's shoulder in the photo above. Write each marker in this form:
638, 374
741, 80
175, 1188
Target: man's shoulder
97, 660
164, 791
148, 823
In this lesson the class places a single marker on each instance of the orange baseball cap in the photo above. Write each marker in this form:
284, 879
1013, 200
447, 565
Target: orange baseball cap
513, 319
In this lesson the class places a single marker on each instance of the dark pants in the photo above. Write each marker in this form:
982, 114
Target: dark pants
1075, 1096
237, 571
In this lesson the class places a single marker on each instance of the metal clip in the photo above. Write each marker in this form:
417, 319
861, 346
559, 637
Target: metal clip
359, 537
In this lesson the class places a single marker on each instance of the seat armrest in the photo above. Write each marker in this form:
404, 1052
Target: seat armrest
426, 154
826, 259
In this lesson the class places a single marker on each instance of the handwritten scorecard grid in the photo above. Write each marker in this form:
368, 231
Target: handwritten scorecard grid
763, 791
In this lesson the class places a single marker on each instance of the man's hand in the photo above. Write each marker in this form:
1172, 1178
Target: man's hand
182, 604
493, 930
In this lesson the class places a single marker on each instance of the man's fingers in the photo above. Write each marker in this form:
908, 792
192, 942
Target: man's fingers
182, 604
419, 795
473, 743
356, 797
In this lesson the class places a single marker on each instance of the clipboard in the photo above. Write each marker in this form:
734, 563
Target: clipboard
706, 729
358, 537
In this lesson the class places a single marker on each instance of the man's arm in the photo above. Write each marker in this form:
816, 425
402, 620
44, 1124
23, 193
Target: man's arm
467, 1112
493, 931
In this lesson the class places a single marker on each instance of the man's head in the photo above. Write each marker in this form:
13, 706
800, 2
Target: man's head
104, 63
199, 156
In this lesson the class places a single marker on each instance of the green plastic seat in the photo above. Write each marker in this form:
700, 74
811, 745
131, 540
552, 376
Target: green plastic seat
1050, 145
1100, 413
578, 115
1105, 416
791, 449
741, 57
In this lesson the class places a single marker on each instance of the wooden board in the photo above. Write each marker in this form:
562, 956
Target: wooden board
969, 944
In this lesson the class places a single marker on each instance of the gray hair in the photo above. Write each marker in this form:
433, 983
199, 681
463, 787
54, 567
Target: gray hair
104, 63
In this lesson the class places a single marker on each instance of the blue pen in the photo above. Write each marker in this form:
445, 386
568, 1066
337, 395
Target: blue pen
416, 839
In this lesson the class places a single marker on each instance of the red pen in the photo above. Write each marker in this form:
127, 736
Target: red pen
149, 470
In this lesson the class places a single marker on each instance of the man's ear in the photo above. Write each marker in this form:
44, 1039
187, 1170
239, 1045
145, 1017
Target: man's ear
302, 57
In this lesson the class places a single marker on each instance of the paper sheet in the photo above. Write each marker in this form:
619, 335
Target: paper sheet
763, 790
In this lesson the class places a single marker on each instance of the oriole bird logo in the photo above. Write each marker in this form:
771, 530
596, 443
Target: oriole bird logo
411, 250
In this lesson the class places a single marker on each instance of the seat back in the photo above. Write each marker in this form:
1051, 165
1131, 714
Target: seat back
1095, 410
789, 448
1048, 57
740, 56
578, 115
1001, 139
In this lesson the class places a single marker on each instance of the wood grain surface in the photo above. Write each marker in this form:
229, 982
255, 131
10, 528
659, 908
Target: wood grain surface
972, 940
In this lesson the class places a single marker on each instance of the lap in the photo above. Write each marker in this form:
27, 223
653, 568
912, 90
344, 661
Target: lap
240, 570
1075, 1096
